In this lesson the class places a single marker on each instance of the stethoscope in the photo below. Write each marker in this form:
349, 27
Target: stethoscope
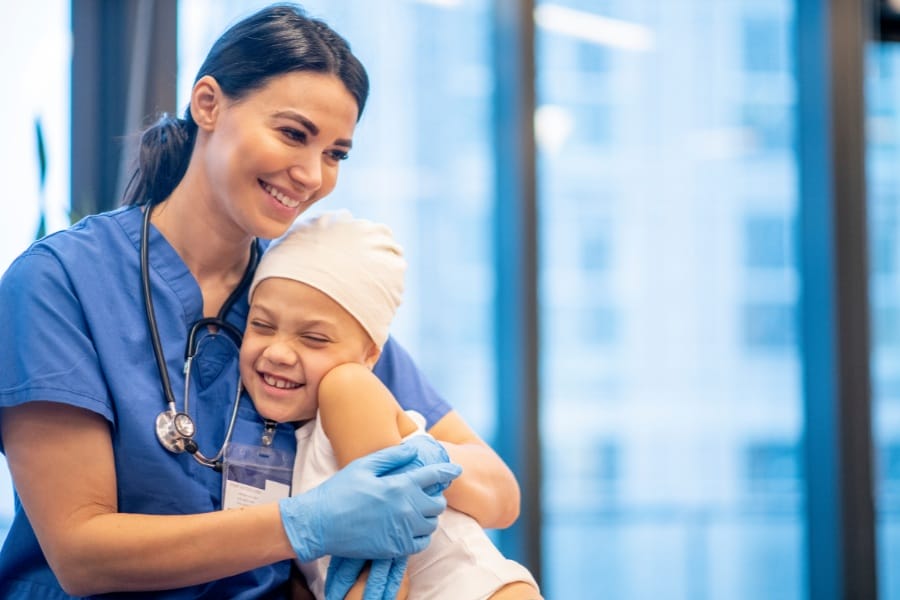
176, 429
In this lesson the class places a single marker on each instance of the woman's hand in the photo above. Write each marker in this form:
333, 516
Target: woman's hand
372, 508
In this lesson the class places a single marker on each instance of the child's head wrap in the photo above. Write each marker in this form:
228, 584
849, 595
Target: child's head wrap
354, 261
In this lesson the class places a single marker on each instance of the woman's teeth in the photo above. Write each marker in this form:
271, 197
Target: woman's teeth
289, 202
281, 384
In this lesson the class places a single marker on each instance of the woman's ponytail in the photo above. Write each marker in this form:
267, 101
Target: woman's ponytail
162, 159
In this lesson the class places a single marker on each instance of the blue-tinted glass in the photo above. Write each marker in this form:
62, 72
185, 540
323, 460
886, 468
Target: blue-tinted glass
671, 407
770, 125
765, 46
883, 230
883, 154
769, 327
35, 58
886, 326
773, 473
766, 242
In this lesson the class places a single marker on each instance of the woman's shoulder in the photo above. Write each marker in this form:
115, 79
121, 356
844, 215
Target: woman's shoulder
91, 239
81, 250
95, 230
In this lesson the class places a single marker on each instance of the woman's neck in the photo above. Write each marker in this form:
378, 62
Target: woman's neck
216, 255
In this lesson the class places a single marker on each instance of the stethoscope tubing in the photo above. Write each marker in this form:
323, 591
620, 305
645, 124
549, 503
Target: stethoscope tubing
171, 435
151, 313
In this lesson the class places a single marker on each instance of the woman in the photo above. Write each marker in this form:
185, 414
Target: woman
106, 506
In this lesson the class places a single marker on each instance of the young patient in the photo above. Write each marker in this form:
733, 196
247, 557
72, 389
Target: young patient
321, 303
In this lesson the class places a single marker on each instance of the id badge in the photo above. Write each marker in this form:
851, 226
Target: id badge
254, 474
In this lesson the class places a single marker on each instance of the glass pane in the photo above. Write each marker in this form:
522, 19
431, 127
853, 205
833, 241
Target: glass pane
420, 162
883, 152
672, 413
35, 57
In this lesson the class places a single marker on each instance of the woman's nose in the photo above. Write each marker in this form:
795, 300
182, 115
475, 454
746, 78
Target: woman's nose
307, 171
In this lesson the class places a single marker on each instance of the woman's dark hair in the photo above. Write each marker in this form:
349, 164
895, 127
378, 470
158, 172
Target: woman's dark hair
276, 40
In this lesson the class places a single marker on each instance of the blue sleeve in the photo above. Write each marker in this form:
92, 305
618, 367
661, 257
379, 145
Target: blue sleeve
48, 353
397, 371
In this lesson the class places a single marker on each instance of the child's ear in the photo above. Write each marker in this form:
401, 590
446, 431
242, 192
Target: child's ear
372, 355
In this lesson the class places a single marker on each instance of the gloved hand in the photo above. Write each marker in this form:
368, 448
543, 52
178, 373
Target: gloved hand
366, 511
428, 452
385, 577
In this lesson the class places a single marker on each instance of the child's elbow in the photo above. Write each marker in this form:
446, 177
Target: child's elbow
508, 510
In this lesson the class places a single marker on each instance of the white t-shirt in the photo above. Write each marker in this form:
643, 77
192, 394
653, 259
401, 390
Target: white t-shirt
460, 563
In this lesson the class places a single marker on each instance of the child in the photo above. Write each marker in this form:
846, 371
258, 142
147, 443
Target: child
321, 302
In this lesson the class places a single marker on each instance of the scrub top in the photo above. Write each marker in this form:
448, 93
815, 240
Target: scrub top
74, 331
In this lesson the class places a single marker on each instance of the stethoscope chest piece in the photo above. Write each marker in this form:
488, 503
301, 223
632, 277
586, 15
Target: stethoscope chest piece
175, 431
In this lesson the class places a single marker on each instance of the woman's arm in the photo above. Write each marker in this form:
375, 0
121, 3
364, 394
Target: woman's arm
487, 490
61, 461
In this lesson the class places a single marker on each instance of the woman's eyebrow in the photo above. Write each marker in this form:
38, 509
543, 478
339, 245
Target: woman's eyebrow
312, 127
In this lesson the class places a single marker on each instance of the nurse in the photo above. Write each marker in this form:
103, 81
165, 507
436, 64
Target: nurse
102, 505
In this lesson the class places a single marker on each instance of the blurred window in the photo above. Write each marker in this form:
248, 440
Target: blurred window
35, 55
883, 154
668, 300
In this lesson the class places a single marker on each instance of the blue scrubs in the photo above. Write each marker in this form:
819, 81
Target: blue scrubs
73, 330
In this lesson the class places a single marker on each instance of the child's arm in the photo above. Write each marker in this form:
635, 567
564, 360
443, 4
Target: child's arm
360, 415
473, 493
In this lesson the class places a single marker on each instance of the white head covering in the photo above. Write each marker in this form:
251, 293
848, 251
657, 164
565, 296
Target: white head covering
354, 261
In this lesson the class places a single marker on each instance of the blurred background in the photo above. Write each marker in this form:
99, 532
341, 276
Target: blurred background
634, 232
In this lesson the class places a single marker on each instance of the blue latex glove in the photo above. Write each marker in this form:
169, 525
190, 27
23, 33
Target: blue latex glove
385, 577
366, 511
428, 452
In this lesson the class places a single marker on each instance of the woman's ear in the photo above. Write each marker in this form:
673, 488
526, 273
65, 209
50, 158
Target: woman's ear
206, 100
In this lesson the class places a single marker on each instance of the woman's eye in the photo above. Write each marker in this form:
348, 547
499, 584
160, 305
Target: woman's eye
338, 154
295, 135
